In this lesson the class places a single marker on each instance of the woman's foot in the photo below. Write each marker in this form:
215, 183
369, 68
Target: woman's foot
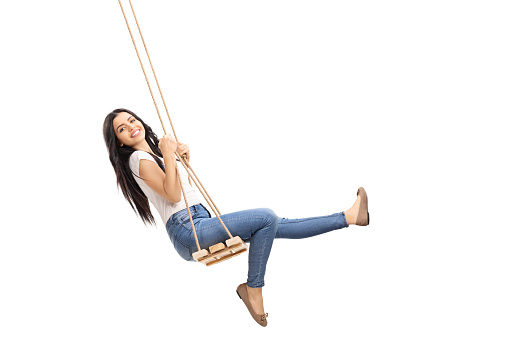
256, 299
252, 298
358, 213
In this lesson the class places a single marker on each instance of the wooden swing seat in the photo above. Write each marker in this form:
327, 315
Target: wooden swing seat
219, 252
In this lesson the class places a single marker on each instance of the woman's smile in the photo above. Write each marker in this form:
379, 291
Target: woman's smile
135, 133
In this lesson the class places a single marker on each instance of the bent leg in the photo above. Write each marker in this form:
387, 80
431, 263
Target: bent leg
257, 226
309, 227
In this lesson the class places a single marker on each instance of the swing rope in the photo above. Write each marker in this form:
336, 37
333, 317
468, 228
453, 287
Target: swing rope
165, 107
183, 159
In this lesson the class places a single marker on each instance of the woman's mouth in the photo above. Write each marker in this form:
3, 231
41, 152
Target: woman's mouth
135, 133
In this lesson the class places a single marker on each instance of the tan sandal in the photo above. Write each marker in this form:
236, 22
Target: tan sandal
259, 318
363, 216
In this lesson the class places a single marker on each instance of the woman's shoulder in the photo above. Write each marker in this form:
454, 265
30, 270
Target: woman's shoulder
135, 156
138, 155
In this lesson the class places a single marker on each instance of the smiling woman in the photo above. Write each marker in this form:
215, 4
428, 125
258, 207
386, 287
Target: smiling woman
128, 137
147, 170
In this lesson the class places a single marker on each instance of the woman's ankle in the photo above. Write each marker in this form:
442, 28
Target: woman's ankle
256, 299
349, 217
254, 291
352, 213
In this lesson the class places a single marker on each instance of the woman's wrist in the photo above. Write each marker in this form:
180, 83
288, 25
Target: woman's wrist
169, 159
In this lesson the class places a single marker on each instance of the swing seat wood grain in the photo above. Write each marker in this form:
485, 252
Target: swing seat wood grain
220, 252
217, 247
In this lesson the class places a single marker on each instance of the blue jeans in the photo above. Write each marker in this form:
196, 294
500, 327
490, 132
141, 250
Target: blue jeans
257, 226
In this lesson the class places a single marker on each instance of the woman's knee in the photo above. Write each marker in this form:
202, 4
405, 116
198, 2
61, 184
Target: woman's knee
270, 216
267, 212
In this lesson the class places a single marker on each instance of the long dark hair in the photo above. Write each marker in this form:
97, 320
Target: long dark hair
119, 157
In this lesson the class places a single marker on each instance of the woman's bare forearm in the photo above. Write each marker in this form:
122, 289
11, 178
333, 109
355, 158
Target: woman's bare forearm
171, 183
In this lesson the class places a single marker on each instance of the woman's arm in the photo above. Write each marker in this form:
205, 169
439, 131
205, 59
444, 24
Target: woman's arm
183, 151
165, 184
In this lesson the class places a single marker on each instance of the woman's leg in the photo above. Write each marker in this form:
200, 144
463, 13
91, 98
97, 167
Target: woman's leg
309, 227
257, 226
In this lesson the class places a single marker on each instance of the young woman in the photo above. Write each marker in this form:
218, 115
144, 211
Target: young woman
146, 170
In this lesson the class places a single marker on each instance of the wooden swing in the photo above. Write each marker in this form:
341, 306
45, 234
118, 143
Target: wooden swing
218, 252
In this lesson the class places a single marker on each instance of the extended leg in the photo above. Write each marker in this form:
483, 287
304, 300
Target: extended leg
309, 227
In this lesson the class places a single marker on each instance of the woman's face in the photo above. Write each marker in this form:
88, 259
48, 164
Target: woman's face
128, 130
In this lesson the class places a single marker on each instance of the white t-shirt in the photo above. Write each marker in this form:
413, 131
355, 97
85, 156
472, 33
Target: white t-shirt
163, 206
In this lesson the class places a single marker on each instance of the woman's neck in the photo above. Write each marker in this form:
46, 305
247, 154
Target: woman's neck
143, 146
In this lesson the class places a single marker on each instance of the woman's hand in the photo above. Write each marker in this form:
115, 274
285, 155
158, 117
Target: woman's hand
167, 145
183, 151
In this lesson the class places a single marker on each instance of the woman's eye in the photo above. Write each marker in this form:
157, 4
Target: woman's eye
121, 129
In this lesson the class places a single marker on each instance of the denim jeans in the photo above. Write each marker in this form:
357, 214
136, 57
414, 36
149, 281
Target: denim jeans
257, 226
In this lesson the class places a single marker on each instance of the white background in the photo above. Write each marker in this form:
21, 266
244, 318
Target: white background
290, 105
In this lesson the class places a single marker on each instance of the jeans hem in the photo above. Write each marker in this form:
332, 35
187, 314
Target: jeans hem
260, 285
